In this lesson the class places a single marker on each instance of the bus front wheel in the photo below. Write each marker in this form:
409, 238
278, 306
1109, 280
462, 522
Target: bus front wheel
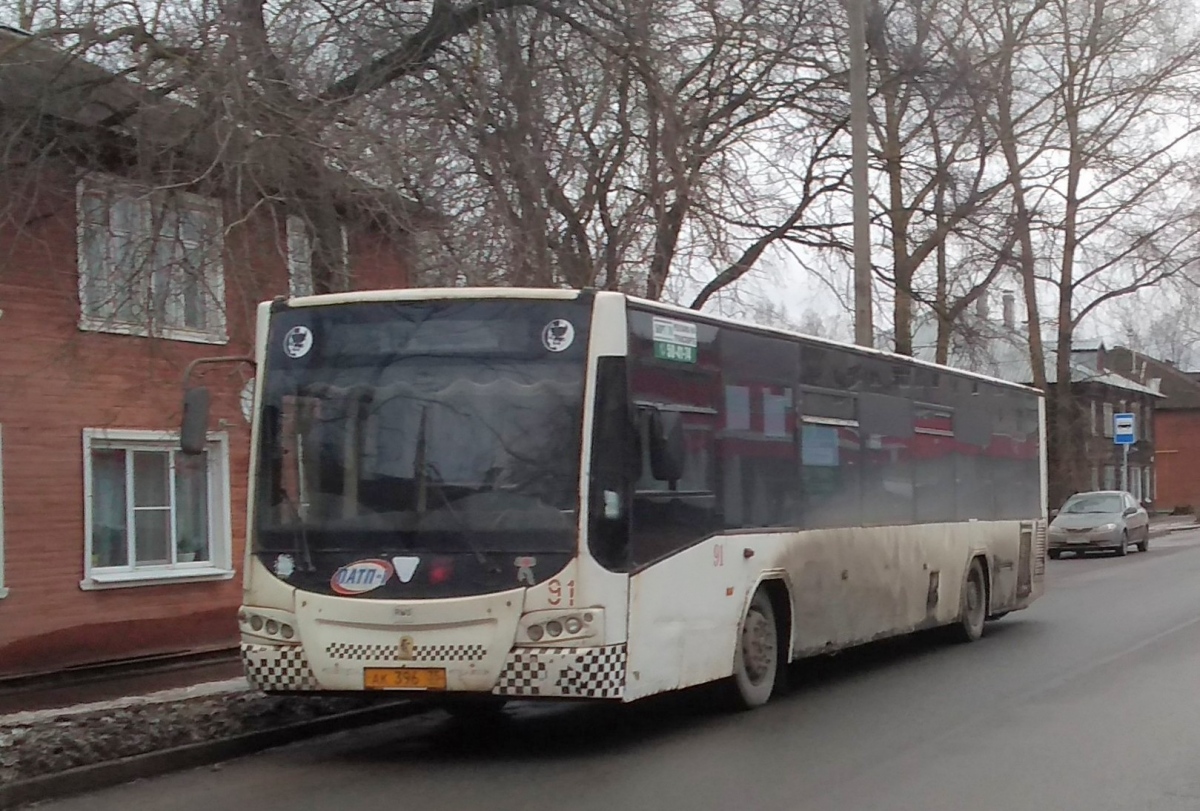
756, 661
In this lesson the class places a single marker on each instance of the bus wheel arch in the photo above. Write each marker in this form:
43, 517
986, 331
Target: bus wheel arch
763, 645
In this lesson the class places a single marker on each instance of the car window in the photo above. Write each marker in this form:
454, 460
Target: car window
1093, 503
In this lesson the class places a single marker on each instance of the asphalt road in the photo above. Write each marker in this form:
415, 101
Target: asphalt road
1089, 700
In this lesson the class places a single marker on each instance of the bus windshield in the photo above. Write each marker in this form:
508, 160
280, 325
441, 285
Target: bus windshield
422, 428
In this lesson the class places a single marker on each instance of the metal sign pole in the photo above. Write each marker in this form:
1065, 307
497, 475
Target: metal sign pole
1124, 434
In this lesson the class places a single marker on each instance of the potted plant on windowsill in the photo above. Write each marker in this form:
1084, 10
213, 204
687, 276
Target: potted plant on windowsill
189, 547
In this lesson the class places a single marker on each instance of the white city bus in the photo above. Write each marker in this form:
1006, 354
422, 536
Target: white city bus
579, 494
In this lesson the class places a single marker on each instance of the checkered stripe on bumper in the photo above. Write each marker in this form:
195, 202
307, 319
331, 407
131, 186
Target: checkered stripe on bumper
360, 652
271, 667
564, 672
449, 653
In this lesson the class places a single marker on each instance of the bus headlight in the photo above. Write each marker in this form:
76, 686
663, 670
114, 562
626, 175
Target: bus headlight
558, 627
267, 625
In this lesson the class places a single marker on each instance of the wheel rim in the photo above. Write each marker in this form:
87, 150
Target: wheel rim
758, 646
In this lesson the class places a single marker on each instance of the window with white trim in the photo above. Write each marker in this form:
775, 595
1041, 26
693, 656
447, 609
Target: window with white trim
1108, 419
3, 590
150, 262
300, 255
153, 513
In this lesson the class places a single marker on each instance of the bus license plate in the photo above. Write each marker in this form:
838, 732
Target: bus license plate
404, 678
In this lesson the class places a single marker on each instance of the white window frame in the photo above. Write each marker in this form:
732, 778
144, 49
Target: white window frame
1108, 419
217, 333
299, 256
220, 564
3, 590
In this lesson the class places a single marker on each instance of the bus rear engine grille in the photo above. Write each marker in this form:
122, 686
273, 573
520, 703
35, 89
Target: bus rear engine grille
1039, 557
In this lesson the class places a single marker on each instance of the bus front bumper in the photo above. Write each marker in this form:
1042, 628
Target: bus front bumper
466, 645
595, 673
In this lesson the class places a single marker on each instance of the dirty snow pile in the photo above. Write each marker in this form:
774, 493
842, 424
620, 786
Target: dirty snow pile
45, 742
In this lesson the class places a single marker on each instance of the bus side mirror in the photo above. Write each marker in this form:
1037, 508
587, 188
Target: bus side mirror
193, 434
666, 445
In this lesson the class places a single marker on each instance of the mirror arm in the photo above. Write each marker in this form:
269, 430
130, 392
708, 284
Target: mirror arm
187, 373
194, 427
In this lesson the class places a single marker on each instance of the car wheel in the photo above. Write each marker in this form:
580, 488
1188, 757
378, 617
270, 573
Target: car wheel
1144, 544
1123, 549
1054, 554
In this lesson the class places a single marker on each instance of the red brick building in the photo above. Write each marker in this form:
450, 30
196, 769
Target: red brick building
1176, 427
112, 545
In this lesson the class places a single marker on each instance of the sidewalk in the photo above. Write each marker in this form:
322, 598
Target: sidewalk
66, 709
1162, 524
115, 682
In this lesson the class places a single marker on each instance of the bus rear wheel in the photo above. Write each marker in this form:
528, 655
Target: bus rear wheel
756, 661
974, 605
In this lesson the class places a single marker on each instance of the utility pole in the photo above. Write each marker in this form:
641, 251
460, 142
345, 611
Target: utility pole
864, 329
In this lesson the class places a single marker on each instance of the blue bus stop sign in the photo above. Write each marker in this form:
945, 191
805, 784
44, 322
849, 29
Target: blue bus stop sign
1123, 429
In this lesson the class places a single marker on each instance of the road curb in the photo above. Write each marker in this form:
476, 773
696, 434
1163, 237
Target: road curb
152, 764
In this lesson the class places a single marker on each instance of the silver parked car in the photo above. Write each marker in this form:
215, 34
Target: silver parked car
1100, 520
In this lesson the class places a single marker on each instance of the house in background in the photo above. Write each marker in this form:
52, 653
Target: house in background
1176, 426
1103, 393
1000, 347
114, 545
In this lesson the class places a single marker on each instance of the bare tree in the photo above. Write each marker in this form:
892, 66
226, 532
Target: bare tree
934, 146
1092, 106
647, 147
274, 89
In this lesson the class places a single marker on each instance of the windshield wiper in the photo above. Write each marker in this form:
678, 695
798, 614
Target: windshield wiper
464, 532
300, 534
420, 464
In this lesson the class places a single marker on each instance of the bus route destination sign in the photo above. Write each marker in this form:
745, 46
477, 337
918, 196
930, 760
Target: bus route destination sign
674, 340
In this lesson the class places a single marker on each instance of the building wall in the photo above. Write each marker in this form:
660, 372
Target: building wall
1094, 449
56, 381
1178, 448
